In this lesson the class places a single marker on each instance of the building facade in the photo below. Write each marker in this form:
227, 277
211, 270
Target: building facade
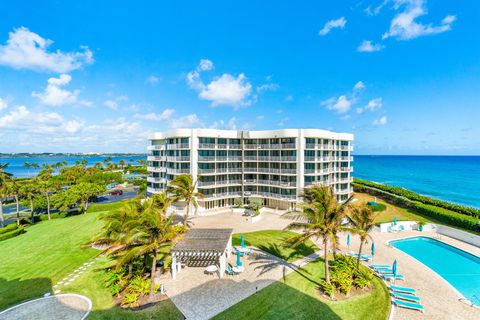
274, 165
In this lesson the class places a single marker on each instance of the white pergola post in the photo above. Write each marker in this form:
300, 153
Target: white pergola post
174, 267
229, 247
223, 263
179, 266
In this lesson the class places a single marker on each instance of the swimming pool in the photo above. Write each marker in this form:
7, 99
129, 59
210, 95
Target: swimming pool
459, 268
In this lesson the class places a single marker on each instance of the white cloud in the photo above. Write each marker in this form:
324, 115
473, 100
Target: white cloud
369, 46
55, 95
111, 104
283, 122
3, 104
166, 114
341, 104
187, 121
344, 103
231, 124
27, 50
21, 119
337, 23
268, 87
380, 122
404, 25
205, 65
152, 80
372, 105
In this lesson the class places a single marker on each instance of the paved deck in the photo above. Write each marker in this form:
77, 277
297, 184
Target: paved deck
200, 296
437, 296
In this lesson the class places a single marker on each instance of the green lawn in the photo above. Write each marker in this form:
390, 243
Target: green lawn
299, 298
273, 241
33, 262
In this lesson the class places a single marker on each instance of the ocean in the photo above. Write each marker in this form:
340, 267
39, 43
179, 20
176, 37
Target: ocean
451, 178
16, 165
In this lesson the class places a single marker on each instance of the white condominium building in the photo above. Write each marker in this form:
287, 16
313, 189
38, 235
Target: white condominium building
274, 165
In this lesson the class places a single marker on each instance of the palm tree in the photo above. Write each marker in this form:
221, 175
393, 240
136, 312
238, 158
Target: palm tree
139, 229
183, 188
46, 187
121, 163
27, 165
29, 191
5, 177
363, 219
15, 191
98, 165
321, 219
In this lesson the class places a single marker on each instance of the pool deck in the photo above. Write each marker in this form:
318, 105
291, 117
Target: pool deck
438, 297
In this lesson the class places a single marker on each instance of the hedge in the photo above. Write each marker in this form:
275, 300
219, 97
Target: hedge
419, 198
8, 228
17, 231
439, 214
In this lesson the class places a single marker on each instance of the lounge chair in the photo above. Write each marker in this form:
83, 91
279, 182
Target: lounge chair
391, 276
408, 297
377, 266
409, 305
384, 271
237, 252
402, 289
230, 271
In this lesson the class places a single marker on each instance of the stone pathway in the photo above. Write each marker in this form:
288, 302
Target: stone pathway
65, 282
199, 296
59, 307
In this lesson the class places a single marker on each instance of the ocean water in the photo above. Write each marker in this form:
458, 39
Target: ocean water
451, 178
16, 165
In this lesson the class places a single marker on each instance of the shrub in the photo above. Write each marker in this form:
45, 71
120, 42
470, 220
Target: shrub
327, 288
8, 228
362, 278
345, 274
378, 207
343, 281
13, 233
130, 299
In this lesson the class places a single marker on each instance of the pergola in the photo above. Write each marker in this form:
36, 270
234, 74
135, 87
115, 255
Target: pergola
202, 247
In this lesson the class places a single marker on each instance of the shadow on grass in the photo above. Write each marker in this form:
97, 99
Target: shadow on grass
15, 291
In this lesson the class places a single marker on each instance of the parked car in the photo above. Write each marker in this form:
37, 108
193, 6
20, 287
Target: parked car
116, 192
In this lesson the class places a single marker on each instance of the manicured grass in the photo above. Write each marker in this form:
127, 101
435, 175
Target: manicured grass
298, 297
33, 262
273, 241
390, 211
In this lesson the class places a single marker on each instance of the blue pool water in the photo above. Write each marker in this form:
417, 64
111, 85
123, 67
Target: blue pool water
459, 268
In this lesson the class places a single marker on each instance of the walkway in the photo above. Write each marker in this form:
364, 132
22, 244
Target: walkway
59, 307
437, 296
199, 296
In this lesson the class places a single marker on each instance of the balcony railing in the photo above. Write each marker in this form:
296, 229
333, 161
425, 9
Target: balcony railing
178, 146
156, 158
178, 158
154, 190
156, 169
157, 179
156, 147
206, 145
177, 170
206, 158
234, 146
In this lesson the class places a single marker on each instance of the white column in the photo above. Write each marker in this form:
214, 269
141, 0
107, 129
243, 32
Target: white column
179, 266
174, 267
229, 247
222, 265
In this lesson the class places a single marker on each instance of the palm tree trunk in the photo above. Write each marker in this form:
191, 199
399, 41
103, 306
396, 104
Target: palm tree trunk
18, 209
152, 276
185, 218
31, 211
48, 206
325, 258
360, 252
1, 213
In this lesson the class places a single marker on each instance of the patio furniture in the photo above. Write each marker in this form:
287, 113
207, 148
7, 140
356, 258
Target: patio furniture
377, 266
238, 251
238, 269
211, 269
408, 297
409, 305
230, 270
391, 276
402, 289
244, 250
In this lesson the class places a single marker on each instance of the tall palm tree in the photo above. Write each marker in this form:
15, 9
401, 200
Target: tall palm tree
47, 187
184, 189
121, 163
98, 165
29, 191
5, 178
320, 219
15, 191
363, 219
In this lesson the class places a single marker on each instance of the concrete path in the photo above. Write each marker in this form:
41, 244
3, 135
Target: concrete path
59, 307
199, 296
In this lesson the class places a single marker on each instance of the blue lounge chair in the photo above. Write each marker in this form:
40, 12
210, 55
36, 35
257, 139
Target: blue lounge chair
237, 252
384, 271
230, 271
391, 276
402, 289
407, 297
409, 305
376, 266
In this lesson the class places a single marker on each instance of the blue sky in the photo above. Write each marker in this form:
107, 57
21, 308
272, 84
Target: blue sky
98, 76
